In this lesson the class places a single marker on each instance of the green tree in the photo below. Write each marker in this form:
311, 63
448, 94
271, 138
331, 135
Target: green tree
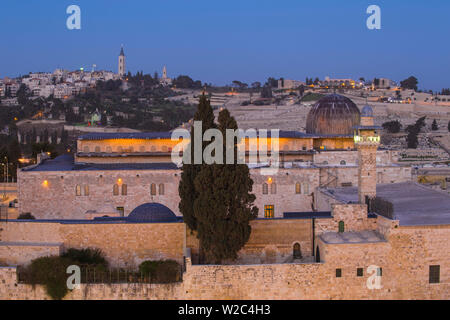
410, 83
434, 125
224, 205
189, 172
392, 126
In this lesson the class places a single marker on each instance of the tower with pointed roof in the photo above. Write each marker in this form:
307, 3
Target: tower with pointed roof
121, 67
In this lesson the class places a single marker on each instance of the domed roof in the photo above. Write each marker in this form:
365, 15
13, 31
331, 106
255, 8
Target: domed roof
333, 115
151, 212
367, 111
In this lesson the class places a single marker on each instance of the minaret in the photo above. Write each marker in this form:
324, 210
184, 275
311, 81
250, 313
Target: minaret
121, 69
366, 142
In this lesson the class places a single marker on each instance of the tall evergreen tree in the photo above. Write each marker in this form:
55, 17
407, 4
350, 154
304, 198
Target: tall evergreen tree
224, 204
189, 172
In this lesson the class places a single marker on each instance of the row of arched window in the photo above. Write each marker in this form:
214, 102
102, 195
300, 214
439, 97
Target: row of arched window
83, 190
300, 188
128, 149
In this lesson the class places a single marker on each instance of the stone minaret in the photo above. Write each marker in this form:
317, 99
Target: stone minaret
366, 142
121, 69
164, 75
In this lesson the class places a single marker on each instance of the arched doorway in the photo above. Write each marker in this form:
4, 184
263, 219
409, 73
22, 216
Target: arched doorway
297, 253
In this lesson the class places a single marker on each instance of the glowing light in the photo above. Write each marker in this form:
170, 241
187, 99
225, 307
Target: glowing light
269, 180
45, 183
119, 181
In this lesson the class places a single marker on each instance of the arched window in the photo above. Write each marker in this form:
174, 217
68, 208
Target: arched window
305, 188
78, 190
343, 163
164, 148
265, 188
161, 189
97, 149
273, 188
153, 189
124, 189
108, 149
298, 189
153, 149
141, 149
341, 226
86, 190
116, 190
297, 253
86, 149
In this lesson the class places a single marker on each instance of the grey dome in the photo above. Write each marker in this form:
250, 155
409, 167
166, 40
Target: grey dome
151, 212
367, 111
333, 115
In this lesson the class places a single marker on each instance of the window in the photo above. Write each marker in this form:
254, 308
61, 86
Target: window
78, 190
305, 188
86, 149
153, 189
298, 189
121, 211
97, 149
153, 148
273, 188
268, 211
359, 272
161, 189
108, 149
116, 190
343, 163
141, 149
341, 226
86, 190
338, 273
124, 189
435, 274
265, 188
164, 148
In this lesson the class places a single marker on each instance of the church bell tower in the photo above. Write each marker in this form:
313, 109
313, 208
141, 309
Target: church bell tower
121, 67
367, 141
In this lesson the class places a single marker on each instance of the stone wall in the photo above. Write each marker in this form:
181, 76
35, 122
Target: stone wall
124, 244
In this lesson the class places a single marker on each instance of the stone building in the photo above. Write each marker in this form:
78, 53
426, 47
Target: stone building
315, 237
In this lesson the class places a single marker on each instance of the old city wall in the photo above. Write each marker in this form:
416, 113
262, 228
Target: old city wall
124, 244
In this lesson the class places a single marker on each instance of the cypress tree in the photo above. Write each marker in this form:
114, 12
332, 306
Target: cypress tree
189, 172
224, 204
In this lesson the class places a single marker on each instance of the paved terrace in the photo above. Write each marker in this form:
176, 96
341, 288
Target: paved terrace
414, 204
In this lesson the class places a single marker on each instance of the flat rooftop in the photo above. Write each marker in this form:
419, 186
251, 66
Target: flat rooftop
367, 236
413, 203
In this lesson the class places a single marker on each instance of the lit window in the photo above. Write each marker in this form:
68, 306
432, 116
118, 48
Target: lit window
86, 149
141, 149
86, 190
78, 190
268, 211
116, 190
273, 188
343, 163
161, 189
119, 149
265, 188
434, 276
108, 149
153, 189
298, 189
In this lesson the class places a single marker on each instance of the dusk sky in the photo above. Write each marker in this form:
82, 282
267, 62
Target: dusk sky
221, 41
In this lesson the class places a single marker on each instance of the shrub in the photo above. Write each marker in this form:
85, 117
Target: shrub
88, 256
392, 126
26, 216
50, 272
161, 271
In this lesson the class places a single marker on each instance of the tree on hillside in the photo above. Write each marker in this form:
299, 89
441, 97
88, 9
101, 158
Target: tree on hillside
413, 133
224, 205
392, 126
189, 172
410, 83
434, 125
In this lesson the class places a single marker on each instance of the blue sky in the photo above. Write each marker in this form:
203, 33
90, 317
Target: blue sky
221, 41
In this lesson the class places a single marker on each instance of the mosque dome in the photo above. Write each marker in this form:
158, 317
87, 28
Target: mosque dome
367, 111
151, 212
333, 115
